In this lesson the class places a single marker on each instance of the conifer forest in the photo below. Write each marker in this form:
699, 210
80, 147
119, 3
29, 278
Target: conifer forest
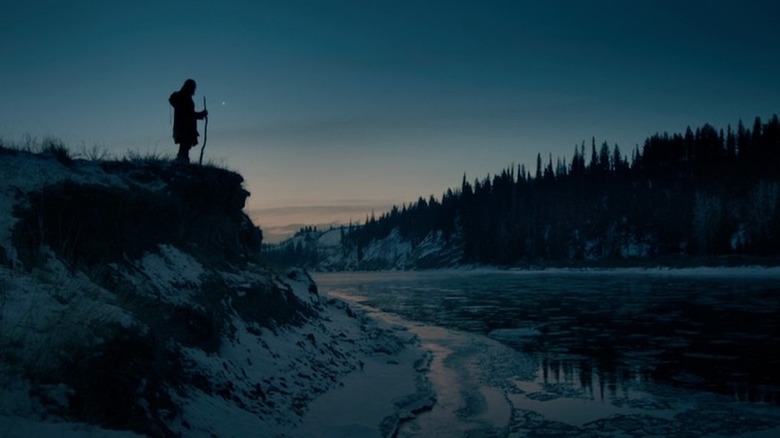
706, 192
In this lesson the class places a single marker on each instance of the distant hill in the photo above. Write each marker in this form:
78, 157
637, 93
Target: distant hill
704, 196
330, 251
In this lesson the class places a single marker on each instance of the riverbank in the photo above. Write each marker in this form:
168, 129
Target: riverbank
668, 261
746, 271
556, 354
484, 388
389, 388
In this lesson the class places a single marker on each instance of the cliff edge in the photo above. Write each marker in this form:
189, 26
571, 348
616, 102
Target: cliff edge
133, 302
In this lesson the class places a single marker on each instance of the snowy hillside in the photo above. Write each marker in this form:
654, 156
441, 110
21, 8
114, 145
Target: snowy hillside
327, 251
132, 303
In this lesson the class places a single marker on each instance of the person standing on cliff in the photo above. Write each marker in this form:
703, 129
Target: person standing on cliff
185, 126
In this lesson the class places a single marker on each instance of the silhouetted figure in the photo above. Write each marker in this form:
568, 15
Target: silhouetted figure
185, 127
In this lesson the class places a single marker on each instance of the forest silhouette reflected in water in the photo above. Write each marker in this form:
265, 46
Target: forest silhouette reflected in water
621, 382
604, 333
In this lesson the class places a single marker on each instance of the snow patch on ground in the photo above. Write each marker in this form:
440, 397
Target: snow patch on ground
50, 311
311, 380
330, 238
171, 273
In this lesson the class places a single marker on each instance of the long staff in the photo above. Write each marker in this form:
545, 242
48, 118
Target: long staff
205, 133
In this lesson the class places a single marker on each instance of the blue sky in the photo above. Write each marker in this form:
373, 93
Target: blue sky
331, 109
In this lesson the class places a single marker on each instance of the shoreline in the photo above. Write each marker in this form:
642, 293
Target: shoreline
733, 272
662, 262
389, 389
483, 386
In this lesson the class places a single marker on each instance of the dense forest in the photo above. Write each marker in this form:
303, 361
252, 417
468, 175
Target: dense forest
705, 192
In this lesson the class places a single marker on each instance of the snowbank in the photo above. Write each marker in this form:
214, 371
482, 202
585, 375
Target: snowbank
132, 303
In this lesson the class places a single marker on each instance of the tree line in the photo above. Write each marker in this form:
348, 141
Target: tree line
704, 192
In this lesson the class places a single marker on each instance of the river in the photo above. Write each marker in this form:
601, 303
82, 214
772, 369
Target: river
588, 353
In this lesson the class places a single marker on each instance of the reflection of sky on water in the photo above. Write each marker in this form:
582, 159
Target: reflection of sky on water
601, 332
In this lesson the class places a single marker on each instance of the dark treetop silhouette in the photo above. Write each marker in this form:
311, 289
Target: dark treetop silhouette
185, 129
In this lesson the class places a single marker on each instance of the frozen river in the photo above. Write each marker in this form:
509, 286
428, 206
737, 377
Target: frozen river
570, 353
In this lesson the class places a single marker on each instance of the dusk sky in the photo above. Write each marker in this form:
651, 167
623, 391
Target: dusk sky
332, 109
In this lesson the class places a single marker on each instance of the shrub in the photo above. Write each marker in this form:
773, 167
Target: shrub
153, 156
126, 383
94, 224
6, 149
57, 148
95, 153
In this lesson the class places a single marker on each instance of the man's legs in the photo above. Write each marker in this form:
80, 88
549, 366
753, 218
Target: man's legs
184, 153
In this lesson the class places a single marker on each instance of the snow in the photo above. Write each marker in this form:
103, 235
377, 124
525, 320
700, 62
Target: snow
337, 373
293, 361
172, 274
345, 370
391, 253
52, 310
337, 370
331, 237
485, 388
384, 384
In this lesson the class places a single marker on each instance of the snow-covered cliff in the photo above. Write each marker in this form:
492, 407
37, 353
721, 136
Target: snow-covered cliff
132, 301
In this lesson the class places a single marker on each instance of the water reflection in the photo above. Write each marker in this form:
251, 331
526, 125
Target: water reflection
598, 384
603, 333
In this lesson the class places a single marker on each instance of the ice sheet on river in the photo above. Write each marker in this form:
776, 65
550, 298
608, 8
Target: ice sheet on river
485, 388
587, 354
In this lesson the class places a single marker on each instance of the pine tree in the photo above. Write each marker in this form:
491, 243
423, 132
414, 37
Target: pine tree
731, 146
539, 167
617, 160
604, 164
594, 158
678, 193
